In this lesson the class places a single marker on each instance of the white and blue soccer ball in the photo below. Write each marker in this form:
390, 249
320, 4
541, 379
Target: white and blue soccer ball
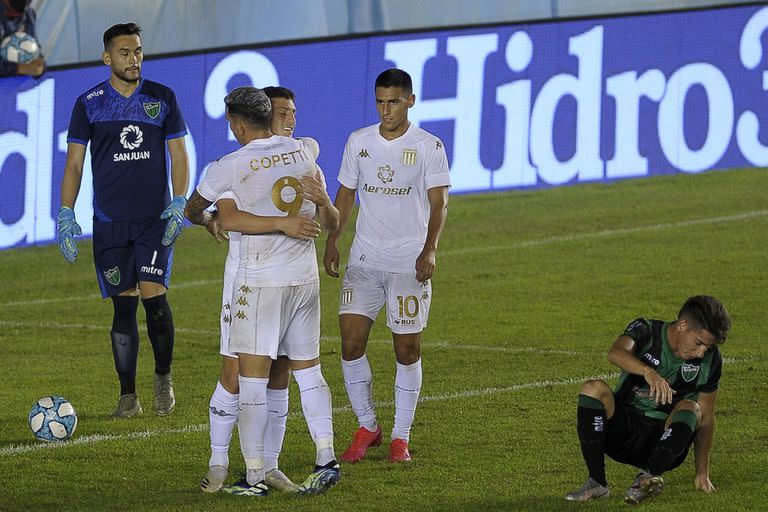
53, 418
19, 47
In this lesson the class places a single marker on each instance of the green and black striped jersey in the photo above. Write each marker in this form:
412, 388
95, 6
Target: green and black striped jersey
687, 378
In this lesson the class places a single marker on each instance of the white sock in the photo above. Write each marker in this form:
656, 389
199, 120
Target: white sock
317, 407
222, 416
407, 389
277, 403
359, 383
252, 425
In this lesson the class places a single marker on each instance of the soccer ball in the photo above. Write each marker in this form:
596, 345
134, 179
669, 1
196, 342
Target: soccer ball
53, 418
19, 47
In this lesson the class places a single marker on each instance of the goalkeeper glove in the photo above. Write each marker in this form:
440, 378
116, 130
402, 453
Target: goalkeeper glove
175, 215
68, 228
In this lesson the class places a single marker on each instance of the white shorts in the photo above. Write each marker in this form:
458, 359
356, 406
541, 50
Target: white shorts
230, 270
275, 321
364, 291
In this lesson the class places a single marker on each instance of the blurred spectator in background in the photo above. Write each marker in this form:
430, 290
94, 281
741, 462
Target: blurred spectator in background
17, 16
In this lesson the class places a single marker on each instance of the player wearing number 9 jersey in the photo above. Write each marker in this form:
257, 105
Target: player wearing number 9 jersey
275, 306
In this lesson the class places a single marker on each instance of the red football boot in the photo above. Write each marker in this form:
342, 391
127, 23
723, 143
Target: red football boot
364, 439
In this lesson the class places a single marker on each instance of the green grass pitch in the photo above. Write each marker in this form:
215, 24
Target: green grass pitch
530, 290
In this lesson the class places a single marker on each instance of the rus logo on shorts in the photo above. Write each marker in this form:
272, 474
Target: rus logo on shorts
113, 276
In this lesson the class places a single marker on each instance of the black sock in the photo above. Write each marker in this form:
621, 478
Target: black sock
125, 341
672, 444
160, 332
590, 425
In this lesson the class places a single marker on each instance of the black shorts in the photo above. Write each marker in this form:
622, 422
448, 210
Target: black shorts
631, 437
128, 252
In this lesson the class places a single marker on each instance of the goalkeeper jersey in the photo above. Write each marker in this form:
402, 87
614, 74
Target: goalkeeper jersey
128, 137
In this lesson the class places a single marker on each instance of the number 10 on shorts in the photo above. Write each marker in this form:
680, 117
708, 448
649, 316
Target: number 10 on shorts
407, 306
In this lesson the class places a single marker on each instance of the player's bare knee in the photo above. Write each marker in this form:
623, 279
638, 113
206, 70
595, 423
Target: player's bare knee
407, 354
688, 405
229, 377
352, 349
595, 388
279, 374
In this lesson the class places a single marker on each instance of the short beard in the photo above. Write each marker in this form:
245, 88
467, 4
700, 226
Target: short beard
122, 76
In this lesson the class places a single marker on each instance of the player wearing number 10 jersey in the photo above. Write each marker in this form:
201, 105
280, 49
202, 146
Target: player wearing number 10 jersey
275, 306
400, 174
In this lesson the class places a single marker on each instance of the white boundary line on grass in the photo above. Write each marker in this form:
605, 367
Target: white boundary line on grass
458, 252
440, 344
202, 427
608, 232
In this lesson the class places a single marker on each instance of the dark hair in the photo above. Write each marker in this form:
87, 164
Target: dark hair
394, 77
251, 104
121, 29
708, 313
279, 92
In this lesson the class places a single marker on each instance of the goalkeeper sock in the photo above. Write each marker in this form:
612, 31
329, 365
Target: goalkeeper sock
160, 331
125, 341
590, 425
674, 441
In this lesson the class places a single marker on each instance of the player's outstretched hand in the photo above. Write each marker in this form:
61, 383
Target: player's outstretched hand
659, 388
425, 265
175, 215
313, 190
68, 228
331, 259
302, 228
702, 483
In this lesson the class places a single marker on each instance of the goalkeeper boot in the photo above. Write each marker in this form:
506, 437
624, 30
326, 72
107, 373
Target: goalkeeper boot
398, 451
363, 439
214, 480
276, 479
321, 479
644, 486
128, 406
591, 490
243, 488
165, 400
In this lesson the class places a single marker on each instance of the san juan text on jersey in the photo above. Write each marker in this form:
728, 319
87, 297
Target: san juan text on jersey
128, 137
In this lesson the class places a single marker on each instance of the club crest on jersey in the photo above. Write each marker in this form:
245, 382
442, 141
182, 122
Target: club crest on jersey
113, 276
409, 157
152, 108
385, 174
689, 371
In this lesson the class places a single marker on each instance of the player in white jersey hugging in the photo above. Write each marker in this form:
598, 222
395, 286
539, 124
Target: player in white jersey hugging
224, 401
276, 192
400, 173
